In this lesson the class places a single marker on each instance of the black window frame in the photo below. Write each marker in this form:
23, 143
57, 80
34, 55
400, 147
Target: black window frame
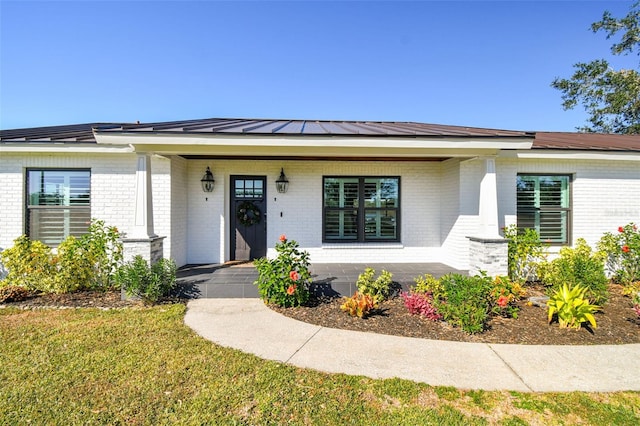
30, 208
361, 237
568, 209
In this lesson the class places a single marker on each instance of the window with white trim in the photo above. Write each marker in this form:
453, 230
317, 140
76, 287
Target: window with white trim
361, 209
543, 204
58, 204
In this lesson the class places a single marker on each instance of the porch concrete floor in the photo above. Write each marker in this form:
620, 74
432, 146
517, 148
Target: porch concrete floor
329, 279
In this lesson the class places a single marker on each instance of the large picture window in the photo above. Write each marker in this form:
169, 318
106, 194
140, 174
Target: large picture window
58, 204
544, 205
359, 209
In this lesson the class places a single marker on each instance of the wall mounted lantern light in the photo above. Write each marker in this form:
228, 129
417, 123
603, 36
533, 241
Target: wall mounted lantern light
207, 181
282, 184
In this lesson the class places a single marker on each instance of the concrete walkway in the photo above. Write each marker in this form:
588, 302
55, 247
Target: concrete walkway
248, 325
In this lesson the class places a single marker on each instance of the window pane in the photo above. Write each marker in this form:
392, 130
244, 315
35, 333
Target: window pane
341, 192
249, 188
553, 226
381, 192
239, 188
543, 205
341, 225
58, 187
51, 226
380, 224
58, 204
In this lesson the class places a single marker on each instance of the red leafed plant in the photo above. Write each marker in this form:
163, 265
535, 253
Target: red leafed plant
420, 304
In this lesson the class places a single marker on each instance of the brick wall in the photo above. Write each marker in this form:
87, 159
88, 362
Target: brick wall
298, 213
439, 202
112, 190
605, 194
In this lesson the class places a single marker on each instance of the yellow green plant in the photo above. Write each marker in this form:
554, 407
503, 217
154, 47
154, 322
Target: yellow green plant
427, 283
578, 265
30, 264
359, 305
379, 289
571, 307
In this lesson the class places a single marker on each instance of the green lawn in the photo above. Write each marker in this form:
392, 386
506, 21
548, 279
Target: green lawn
144, 366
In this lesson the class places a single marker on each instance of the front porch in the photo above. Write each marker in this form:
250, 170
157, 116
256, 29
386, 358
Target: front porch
329, 279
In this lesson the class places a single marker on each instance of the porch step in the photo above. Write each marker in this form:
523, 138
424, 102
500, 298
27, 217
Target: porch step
329, 279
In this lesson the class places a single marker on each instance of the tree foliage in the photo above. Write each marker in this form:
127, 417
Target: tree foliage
611, 97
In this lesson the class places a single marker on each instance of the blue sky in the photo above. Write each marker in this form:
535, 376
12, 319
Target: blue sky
472, 63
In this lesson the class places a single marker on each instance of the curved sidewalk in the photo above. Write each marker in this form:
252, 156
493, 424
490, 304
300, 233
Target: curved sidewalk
248, 325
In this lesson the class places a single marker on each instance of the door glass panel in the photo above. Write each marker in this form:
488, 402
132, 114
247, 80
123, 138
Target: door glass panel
249, 188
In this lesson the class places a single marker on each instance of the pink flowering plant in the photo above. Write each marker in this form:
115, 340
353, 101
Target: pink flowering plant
622, 252
285, 280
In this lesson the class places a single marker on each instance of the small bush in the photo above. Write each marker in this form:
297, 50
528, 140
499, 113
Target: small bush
88, 262
359, 305
30, 264
525, 251
427, 283
285, 280
420, 304
12, 293
504, 296
622, 254
74, 267
379, 288
149, 283
577, 266
571, 307
466, 303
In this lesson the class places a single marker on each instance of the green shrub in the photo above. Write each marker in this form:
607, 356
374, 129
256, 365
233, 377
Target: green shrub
577, 266
379, 288
504, 295
30, 264
571, 307
74, 267
104, 250
88, 262
285, 280
427, 284
466, 301
622, 253
525, 251
149, 283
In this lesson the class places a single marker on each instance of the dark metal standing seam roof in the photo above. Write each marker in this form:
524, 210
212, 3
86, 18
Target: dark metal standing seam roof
586, 141
83, 133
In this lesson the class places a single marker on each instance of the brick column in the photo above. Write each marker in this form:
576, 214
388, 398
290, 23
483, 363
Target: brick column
488, 251
488, 255
142, 240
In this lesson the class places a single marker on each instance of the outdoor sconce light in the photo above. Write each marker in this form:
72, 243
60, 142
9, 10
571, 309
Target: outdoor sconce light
207, 181
282, 184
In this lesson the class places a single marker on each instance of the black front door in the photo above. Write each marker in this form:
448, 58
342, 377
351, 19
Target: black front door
248, 217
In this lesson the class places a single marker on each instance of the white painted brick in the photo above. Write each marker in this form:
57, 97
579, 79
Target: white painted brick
439, 202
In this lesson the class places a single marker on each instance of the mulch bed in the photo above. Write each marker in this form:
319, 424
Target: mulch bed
617, 323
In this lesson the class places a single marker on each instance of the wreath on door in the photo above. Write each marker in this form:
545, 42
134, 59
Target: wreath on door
248, 214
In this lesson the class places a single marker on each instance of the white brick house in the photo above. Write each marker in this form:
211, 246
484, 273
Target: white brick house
358, 191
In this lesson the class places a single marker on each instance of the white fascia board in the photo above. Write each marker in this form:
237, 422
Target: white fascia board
544, 154
64, 148
313, 141
299, 151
